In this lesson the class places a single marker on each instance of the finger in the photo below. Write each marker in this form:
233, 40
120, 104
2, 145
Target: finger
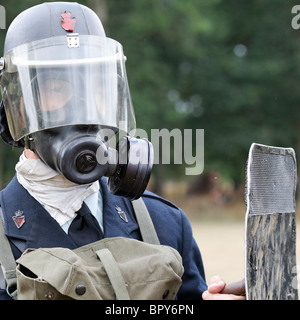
237, 288
216, 296
216, 284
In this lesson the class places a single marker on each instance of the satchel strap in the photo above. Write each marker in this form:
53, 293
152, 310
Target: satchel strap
7, 261
149, 235
145, 223
114, 274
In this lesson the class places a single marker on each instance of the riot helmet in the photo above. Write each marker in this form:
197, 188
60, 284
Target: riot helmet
65, 95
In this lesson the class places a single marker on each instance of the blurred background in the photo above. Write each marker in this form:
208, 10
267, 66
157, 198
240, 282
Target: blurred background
229, 67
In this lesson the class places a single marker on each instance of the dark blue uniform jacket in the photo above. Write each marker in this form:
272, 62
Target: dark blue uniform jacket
41, 230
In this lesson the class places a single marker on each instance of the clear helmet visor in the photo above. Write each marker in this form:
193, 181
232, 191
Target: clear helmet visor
47, 84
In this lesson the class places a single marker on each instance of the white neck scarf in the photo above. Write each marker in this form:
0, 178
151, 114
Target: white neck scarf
59, 196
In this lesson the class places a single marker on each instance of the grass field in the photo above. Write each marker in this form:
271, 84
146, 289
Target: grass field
222, 248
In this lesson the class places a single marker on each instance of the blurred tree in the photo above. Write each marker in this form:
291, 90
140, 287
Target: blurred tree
229, 67
247, 82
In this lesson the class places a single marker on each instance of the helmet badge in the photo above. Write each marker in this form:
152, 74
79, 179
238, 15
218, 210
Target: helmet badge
67, 22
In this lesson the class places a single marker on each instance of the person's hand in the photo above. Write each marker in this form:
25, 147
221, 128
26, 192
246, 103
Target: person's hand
215, 288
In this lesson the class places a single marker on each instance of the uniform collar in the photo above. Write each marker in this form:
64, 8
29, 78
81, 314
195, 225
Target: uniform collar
118, 215
41, 230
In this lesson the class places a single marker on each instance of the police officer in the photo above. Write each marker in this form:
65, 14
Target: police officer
65, 98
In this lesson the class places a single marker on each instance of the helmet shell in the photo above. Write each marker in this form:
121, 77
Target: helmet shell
45, 20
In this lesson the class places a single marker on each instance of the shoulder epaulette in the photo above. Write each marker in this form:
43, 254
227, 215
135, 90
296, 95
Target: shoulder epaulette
149, 194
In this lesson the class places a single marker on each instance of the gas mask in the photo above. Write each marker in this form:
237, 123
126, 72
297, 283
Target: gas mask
66, 97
